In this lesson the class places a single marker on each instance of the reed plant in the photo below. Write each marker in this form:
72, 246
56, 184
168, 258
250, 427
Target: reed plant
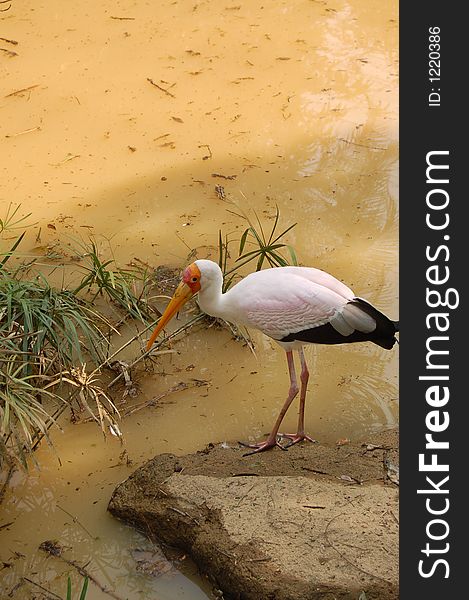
47, 335
44, 333
84, 589
103, 277
255, 245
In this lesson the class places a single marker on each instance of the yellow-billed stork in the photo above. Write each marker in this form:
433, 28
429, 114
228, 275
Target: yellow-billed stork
292, 305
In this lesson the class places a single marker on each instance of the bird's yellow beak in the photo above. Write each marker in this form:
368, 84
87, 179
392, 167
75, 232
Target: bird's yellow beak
182, 294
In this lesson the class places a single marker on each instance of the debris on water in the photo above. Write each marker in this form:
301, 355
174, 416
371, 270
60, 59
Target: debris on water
123, 367
124, 459
162, 89
224, 176
115, 431
68, 158
166, 279
51, 547
22, 90
9, 53
152, 563
209, 155
220, 192
161, 137
342, 442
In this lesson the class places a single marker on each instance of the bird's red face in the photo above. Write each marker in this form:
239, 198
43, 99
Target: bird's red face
191, 277
189, 286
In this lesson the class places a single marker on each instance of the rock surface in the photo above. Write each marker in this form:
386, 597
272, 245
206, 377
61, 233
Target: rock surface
313, 522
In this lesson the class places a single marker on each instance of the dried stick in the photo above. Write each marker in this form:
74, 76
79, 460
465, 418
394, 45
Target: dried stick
8, 41
44, 590
75, 520
160, 88
175, 388
54, 549
189, 324
26, 89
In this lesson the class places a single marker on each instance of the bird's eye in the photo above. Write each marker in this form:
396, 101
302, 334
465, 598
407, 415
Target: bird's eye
194, 279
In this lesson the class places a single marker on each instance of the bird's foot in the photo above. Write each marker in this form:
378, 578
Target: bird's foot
295, 438
262, 446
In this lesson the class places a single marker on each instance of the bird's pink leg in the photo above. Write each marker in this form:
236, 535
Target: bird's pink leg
300, 434
271, 441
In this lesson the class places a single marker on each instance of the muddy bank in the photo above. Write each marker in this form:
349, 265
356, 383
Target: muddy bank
313, 522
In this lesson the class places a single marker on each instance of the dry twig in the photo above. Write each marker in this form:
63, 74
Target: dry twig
55, 549
14, 42
44, 590
146, 354
75, 520
172, 390
9, 53
19, 92
162, 89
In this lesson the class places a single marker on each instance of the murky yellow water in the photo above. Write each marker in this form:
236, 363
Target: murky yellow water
298, 100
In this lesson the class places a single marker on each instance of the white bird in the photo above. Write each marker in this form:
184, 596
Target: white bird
292, 305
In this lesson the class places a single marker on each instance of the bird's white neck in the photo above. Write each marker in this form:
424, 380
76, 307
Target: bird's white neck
211, 299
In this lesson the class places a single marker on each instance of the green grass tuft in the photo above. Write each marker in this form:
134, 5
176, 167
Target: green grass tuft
266, 248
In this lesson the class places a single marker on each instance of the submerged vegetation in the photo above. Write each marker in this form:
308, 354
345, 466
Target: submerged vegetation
49, 336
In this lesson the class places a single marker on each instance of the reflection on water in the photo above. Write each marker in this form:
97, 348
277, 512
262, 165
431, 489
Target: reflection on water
297, 101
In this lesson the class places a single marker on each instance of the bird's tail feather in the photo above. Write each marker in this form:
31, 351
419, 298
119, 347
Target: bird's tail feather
385, 328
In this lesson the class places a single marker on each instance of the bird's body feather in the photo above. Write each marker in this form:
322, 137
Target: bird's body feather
293, 305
